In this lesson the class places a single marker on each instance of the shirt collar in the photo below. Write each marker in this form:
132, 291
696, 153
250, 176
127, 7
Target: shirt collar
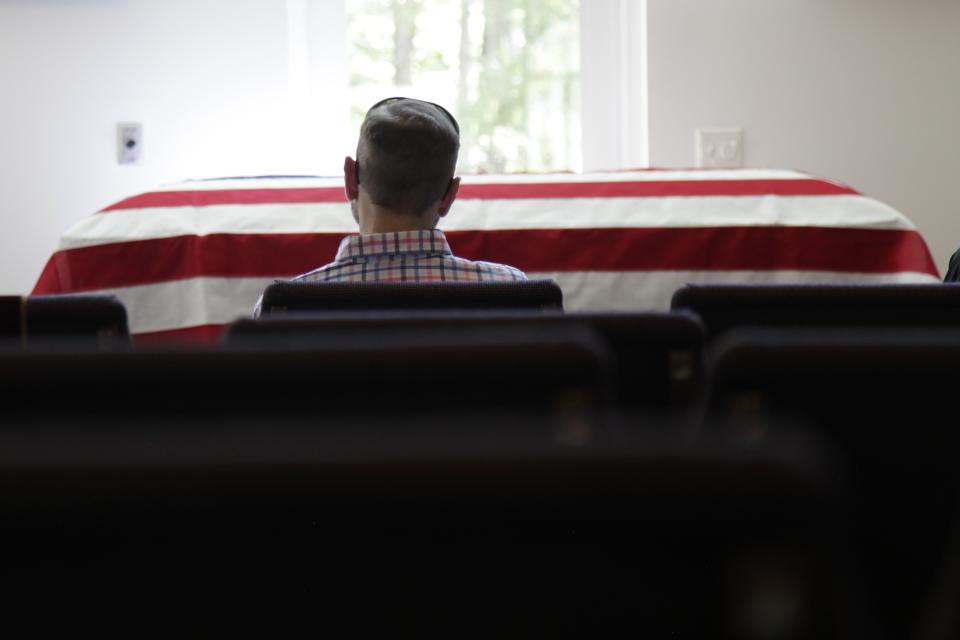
430, 241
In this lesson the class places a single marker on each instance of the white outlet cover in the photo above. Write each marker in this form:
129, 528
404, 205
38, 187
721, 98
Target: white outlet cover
129, 142
719, 148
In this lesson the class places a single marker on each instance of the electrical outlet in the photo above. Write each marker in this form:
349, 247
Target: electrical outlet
129, 142
719, 148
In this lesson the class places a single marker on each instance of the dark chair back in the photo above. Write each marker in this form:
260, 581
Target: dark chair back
610, 535
724, 307
282, 297
541, 371
657, 355
96, 322
887, 399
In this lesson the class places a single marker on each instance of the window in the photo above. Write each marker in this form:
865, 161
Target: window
556, 85
508, 69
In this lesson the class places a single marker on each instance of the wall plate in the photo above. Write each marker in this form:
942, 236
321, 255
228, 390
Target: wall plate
720, 148
129, 142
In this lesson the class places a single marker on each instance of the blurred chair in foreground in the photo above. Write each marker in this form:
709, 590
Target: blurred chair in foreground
450, 520
657, 355
537, 370
885, 398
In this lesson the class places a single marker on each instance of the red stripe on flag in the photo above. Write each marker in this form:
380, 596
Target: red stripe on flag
653, 189
702, 249
546, 190
209, 334
49, 280
129, 264
229, 196
535, 250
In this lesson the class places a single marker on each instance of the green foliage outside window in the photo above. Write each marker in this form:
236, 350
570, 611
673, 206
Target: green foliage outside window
507, 69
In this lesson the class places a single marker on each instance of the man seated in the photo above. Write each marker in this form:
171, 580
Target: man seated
953, 269
399, 187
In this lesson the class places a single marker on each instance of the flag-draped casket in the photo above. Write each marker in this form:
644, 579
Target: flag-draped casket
188, 258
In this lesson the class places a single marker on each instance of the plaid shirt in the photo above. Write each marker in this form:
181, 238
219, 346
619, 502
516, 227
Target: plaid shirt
403, 256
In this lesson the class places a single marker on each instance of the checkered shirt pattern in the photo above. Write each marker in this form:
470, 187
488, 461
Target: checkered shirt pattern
404, 256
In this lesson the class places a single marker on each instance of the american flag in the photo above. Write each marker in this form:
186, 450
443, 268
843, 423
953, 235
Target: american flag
189, 258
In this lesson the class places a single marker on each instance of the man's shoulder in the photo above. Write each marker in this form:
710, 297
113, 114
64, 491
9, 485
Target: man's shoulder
495, 270
320, 273
512, 272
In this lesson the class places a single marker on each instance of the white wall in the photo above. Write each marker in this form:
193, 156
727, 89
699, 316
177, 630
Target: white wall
862, 91
209, 79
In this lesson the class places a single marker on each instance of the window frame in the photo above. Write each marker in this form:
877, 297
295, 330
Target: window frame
613, 81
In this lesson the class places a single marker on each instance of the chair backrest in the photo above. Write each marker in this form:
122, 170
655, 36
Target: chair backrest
91, 321
871, 384
724, 307
283, 297
887, 399
657, 355
542, 371
715, 540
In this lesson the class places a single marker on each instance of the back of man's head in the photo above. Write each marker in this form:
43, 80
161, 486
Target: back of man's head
407, 154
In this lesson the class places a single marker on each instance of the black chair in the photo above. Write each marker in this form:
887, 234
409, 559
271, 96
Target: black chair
282, 297
723, 307
526, 369
448, 521
887, 399
96, 321
657, 355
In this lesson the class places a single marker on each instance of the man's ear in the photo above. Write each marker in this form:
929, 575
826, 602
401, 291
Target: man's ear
447, 200
351, 182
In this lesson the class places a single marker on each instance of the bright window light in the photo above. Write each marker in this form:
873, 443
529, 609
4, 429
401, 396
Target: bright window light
509, 70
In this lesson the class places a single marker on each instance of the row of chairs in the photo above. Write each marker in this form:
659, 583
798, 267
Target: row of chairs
868, 369
102, 320
643, 360
785, 473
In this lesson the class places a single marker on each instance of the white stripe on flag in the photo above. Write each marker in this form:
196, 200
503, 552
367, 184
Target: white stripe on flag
186, 303
566, 213
653, 290
689, 211
320, 182
203, 301
232, 184
641, 176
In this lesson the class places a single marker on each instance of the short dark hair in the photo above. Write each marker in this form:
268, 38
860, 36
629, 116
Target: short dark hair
407, 154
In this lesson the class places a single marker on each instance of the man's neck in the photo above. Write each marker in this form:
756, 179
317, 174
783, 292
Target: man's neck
376, 219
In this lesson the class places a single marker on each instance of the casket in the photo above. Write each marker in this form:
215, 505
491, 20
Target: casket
188, 258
